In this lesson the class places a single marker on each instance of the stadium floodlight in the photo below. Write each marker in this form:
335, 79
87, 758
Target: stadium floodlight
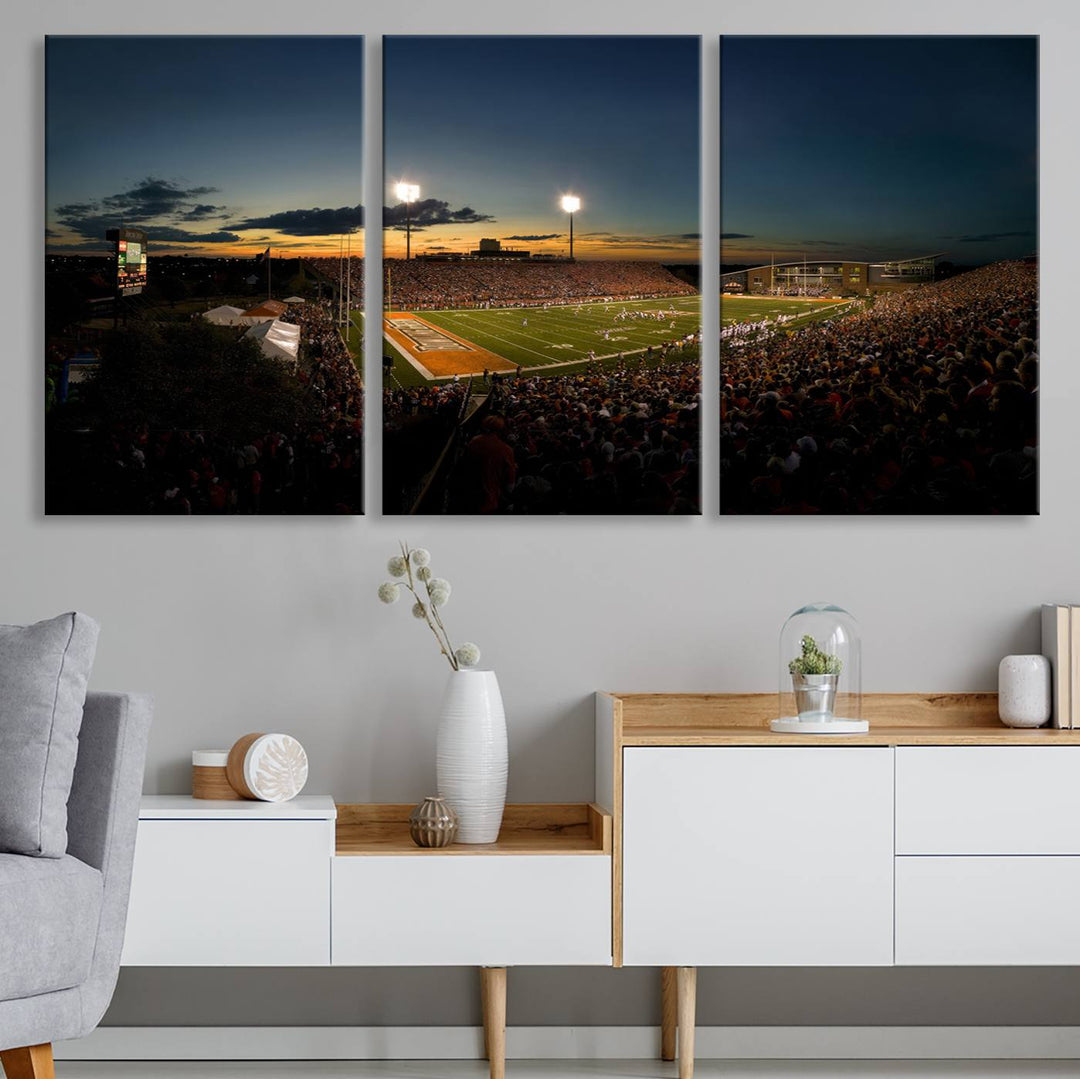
571, 204
408, 194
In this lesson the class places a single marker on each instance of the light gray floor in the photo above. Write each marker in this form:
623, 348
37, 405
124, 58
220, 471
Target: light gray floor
572, 1069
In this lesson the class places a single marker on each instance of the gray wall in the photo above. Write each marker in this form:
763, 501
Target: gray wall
261, 624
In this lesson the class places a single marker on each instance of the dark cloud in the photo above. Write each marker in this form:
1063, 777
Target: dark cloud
430, 212
689, 235
169, 234
736, 235
537, 236
149, 200
822, 243
314, 222
51, 234
618, 240
203, 209
986, 237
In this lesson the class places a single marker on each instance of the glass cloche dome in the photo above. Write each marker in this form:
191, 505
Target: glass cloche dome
820, 673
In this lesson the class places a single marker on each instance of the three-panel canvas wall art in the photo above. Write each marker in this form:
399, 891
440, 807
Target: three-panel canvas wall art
541, 276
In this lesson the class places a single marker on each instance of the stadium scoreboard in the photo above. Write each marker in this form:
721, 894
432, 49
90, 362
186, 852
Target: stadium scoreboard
130, 260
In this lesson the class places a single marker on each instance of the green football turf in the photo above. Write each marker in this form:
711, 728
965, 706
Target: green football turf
753, 308
356, 340
558, 340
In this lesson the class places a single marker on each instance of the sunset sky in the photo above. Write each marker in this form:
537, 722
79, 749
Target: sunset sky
877, 148
495, 129
214, 146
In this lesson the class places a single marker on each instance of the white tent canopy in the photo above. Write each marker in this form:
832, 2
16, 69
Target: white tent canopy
233, 316
224, 316
278, 340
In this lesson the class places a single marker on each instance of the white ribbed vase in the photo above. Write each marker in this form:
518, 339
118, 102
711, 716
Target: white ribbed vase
470, 754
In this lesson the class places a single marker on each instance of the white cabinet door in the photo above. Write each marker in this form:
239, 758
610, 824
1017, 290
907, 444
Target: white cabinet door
219, 893
981, 911
758, 856
988, 800
472, 910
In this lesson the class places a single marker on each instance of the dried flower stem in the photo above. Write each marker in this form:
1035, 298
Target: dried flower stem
429, 609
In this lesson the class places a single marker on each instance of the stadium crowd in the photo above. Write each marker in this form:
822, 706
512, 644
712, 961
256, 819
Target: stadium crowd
314, 466
608, 440
419, 284
330, 268
924, 402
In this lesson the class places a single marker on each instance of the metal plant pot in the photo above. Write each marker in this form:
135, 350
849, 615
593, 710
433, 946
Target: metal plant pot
815, 695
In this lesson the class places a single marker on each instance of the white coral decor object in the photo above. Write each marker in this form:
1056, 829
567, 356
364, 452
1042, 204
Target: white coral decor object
276, 768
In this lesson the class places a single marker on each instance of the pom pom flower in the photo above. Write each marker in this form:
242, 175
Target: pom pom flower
412, 568
468, 655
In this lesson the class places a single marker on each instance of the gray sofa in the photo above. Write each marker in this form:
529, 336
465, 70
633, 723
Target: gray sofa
62, 919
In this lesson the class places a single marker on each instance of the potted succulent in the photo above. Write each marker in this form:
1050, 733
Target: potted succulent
470, 751
814, 677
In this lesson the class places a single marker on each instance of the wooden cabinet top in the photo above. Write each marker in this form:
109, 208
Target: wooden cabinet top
575, 828
896, 719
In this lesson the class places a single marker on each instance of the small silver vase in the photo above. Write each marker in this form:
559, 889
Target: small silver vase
815, 695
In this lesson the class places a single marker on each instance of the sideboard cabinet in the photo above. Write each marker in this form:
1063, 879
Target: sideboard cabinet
940, 838
752, 856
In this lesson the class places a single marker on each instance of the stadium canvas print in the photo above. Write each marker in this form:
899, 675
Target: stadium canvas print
542, 314
879, 279
203, 275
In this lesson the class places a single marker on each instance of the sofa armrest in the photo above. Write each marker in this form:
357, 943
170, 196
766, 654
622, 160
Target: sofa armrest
103, 816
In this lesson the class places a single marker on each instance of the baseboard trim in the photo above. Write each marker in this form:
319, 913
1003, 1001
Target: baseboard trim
583, 1043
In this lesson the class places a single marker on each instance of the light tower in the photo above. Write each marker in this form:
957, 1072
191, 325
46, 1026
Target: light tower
571, 204
408, 194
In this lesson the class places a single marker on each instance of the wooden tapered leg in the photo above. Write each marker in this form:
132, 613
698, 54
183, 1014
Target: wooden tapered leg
493, 994
669, 997
484, 1011
687, 981
31, 1062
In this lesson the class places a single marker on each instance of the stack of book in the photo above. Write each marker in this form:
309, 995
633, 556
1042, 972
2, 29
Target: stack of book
1061, 645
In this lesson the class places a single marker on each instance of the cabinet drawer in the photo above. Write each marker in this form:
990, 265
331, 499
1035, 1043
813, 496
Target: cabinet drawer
988, 800
757, 856
230, 893
472, 910
981, 911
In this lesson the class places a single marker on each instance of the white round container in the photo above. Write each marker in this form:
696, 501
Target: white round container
268, 767
209, 778
1024, 698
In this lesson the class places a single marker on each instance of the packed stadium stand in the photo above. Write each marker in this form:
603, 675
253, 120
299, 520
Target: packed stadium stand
923, 402
609, 440
414, 284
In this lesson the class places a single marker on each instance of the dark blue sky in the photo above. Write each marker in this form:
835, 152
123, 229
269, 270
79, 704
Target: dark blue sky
879, 147
204, 137
505, 125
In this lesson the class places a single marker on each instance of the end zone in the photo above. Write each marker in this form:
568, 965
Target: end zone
435, 352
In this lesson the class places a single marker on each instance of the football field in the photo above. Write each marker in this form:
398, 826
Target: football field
754, 308
429, 345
